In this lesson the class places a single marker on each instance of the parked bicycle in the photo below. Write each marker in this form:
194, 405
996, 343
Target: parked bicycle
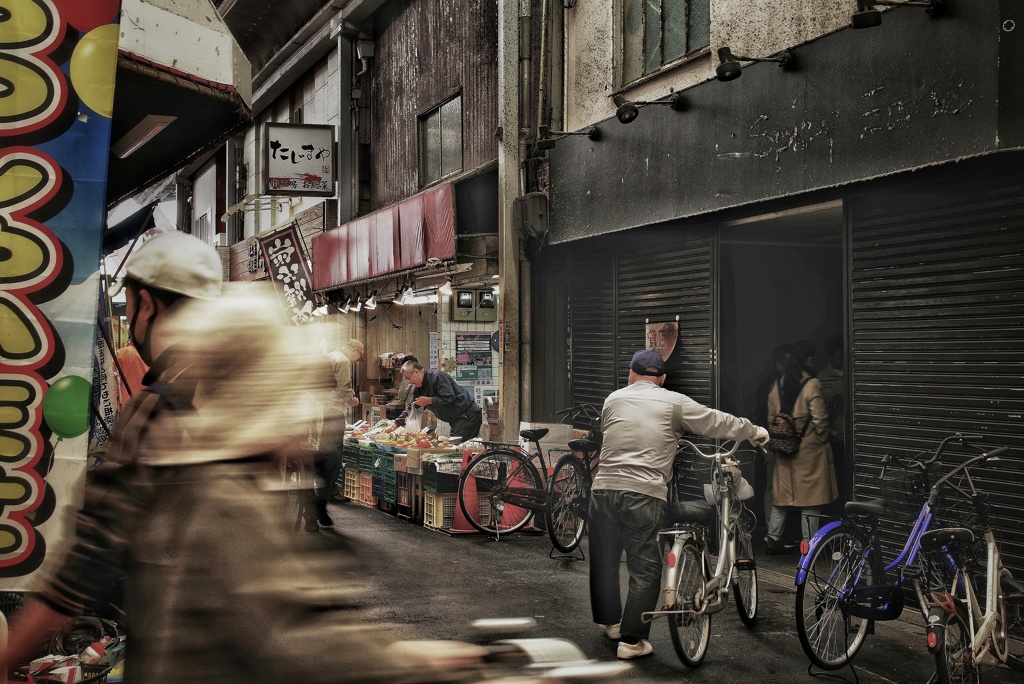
841, 579
691, 591
502, 489
963, 625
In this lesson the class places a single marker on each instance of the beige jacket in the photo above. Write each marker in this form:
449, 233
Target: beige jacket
809, 478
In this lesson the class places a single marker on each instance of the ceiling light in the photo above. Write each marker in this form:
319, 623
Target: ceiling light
346, 306
446, 289
358, 304
142, 133
371, 303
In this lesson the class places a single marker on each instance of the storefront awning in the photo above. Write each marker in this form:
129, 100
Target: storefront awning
127, 229
399, 238
183, 86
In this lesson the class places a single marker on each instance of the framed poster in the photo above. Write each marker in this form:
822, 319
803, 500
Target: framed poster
662, 337
473, 358
298, 159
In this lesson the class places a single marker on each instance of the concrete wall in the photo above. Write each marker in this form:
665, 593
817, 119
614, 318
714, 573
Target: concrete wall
753, 28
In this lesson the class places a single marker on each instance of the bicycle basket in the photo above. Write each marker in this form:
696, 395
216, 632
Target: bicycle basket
907, 488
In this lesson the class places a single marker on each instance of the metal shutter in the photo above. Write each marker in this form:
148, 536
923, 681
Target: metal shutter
937, 306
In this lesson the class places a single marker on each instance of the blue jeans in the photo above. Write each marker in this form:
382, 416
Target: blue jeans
625, 521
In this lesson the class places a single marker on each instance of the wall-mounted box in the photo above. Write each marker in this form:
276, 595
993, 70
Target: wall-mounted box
464, 305
486, 305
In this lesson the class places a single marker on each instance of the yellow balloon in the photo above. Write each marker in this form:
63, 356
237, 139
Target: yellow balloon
93, 67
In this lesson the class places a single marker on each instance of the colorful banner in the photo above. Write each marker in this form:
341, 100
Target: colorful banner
58, 61
287, 266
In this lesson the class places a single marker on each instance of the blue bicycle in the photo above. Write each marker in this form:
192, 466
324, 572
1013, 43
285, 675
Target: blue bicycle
844, 584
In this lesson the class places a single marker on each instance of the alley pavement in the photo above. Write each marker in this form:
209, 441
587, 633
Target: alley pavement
429, 585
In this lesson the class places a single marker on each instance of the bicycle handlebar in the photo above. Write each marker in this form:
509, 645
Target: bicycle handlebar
933, 496
730, 452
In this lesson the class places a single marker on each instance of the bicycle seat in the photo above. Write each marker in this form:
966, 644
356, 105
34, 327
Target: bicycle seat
584, 445
869, 507
689, 512
534, 435
944, 536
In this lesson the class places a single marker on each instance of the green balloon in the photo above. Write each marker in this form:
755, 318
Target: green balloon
66, 406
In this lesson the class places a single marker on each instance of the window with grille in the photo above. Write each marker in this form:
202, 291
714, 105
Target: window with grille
656, 33
441, 141
201, 228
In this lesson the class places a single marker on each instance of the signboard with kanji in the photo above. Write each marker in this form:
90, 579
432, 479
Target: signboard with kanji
298, 159
286, 265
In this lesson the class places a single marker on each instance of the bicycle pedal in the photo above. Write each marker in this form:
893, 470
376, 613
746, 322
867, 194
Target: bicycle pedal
745, 564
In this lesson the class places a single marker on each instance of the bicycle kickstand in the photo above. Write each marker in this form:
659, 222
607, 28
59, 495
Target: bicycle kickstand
554, 553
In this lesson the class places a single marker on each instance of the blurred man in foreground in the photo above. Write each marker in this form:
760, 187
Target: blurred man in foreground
188, 504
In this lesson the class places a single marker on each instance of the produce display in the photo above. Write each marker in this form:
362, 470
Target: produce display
390, 434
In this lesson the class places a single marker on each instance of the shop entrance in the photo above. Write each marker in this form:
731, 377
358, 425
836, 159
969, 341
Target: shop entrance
781, 281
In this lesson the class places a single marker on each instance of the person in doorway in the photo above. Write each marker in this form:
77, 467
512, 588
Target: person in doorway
807, 480
641, 425
832, 388
187, 480
449, 401
778, 365
337, 414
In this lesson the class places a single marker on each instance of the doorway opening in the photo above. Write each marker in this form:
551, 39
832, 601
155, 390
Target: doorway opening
781, 281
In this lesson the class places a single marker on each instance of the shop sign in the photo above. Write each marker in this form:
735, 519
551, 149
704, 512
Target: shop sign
287, 267
298, 159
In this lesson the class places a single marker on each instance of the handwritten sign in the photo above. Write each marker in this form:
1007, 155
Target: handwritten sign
287, 267
299, 159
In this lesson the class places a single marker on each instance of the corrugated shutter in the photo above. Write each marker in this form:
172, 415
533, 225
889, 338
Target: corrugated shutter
616, 288
937, 301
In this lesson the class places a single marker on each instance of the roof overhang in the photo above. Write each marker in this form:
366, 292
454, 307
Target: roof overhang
183, 86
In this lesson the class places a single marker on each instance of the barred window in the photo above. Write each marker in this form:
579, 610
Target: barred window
658, 32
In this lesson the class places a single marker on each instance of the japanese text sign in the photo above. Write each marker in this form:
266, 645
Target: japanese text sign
286, 264
299, 159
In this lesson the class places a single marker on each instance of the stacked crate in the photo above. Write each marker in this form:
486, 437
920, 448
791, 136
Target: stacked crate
440, 493
389, 484
367, 471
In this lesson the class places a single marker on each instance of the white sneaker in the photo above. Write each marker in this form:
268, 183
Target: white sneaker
610, 631
630, 651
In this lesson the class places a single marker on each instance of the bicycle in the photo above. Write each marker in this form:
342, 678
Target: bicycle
961, 629
840, 578
512, 490
691, 593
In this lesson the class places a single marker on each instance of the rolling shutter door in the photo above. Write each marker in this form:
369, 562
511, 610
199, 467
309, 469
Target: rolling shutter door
937, 306
615, 290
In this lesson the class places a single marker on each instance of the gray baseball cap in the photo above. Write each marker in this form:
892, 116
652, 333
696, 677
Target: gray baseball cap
175, 262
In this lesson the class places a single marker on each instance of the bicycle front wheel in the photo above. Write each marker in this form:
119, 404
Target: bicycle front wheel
954, 659
567, 502
744, 587
829, 636
690, 631
498, 492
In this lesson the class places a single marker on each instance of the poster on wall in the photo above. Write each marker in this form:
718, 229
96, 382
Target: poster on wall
58, 98
473, 358
662, 338
288, 269
299, 159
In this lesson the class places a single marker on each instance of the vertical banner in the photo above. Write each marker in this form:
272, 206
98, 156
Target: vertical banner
287, 267
58, 60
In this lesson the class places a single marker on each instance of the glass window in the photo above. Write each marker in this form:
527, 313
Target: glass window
441, 141
657, 32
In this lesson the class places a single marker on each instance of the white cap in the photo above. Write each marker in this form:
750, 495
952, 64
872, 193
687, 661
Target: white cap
175, 262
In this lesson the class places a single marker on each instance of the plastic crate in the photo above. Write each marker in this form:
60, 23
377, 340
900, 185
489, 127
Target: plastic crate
389, 492
403, 484
366, 497
377, 486
439, 510
385, 462
439, 483
351, 489
368, 458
